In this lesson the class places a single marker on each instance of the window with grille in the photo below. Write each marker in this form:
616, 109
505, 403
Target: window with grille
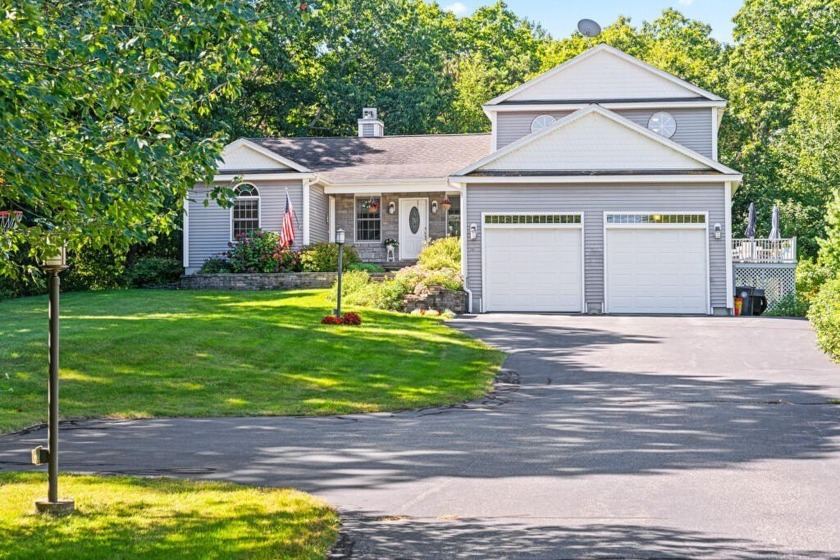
532, 219
368, 219
246, 210
656, 218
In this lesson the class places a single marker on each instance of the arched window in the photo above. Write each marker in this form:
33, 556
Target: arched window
245, 214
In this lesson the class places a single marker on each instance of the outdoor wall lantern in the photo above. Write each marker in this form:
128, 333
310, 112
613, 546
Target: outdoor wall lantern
392, 207
718, 229
473, 231
434, 206
339, 239
54, 263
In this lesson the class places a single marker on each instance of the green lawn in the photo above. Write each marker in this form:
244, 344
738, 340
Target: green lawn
127, 518
146, 353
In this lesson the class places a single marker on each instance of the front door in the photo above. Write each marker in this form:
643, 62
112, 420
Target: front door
414, 226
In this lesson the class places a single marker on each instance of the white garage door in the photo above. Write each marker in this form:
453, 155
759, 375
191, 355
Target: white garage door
533, 269
656, 270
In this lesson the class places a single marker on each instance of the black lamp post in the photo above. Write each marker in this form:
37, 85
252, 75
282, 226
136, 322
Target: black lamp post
53, 504
339, 239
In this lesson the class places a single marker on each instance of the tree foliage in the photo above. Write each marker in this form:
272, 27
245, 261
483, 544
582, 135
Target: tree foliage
98, 109
808, 152
112, 110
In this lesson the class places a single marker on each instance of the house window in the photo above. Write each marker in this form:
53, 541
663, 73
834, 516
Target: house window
369, 219
453, 222
246, 210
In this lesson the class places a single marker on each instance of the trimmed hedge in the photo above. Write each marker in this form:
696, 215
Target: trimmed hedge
825, 317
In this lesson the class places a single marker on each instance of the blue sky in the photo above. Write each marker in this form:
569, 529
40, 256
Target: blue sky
559, 17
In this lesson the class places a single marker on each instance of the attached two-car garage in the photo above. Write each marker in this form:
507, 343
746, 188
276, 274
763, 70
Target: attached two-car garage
653, 263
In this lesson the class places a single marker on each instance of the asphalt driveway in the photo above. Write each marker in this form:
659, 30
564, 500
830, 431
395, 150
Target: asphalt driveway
612, 437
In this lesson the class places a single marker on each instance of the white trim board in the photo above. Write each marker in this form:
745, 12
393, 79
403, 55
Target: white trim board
614, 117
574, 179
185, 226
256, 177
590, 53
612, 105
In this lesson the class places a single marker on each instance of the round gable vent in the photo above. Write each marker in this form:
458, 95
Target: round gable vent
662, 123
541, 122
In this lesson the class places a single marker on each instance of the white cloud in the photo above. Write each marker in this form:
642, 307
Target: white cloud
459, 9
686, 2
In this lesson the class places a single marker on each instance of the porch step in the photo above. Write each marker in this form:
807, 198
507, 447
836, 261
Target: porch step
396, 265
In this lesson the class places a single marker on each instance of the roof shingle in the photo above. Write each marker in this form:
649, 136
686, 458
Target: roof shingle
389, 157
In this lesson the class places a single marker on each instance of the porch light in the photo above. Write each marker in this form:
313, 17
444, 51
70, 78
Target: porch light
392, 207
57, 261
446, 204
434, 207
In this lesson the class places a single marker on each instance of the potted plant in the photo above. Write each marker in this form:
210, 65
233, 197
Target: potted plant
392, 243
372, 206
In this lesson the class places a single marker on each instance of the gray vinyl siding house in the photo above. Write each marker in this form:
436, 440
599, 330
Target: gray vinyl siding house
598, 190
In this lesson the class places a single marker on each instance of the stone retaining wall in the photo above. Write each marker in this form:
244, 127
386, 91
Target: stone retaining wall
437, 298
278, 281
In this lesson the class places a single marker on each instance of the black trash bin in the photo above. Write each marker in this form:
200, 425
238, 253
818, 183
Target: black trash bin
746, 294
759, 301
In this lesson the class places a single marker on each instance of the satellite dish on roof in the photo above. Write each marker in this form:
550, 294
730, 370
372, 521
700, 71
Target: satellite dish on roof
589, 28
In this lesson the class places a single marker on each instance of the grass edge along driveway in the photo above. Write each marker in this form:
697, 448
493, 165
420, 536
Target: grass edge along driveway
164, 353
126, 517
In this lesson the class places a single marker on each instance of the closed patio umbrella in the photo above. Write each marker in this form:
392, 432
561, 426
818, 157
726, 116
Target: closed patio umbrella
775, 232
750, 231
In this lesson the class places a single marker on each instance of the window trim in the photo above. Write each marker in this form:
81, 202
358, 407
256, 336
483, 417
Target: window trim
256, 197
356, 240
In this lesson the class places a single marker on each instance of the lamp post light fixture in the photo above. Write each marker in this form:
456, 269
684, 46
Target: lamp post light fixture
53, 264
339, 239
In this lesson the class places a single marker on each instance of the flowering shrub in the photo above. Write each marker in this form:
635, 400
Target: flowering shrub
351, 319
346, 319
260, 251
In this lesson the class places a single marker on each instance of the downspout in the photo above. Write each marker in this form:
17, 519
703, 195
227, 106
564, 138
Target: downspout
464, 241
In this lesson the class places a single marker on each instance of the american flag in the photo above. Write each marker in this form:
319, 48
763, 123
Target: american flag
287, 234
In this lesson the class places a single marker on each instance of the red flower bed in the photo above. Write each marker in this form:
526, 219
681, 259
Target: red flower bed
346, 319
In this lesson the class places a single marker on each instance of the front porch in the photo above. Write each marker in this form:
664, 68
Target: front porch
411, 218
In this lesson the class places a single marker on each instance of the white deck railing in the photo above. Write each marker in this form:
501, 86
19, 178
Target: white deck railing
764, 250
